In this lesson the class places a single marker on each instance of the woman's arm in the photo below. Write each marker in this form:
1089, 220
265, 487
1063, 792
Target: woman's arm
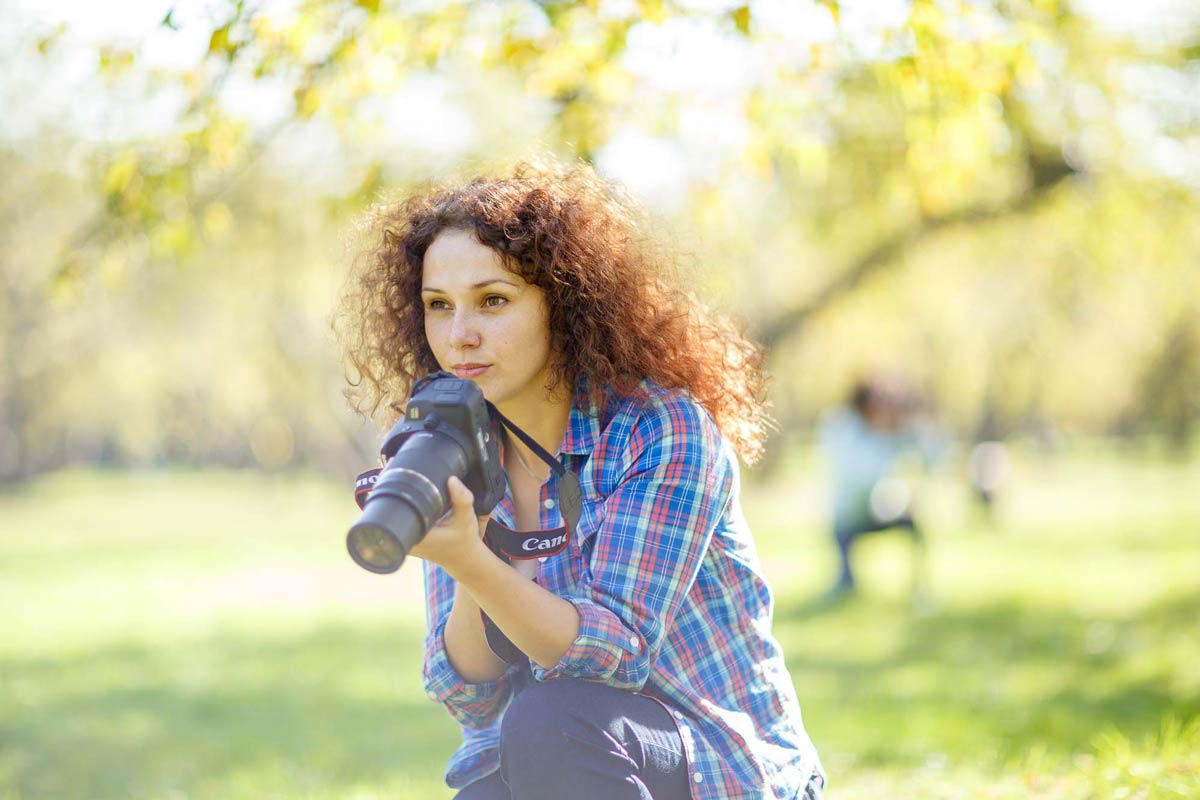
460, 671
466, 644
656, 523
537, 621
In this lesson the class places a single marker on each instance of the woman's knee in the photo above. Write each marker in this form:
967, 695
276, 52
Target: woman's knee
491, 787
575, 738
536, 720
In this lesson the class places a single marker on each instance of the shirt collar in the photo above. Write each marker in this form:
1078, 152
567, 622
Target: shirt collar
582, 430
583, 426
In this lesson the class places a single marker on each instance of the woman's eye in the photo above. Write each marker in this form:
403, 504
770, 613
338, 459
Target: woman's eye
436, 305
493, 300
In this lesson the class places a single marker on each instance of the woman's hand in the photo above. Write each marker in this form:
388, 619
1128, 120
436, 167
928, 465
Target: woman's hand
538, 622
456, 541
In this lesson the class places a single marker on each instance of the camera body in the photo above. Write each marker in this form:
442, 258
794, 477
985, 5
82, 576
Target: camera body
443, 404
446, 430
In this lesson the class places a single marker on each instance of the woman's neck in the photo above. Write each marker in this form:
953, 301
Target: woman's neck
546, 421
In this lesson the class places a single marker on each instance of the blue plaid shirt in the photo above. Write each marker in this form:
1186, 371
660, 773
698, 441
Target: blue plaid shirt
671, 597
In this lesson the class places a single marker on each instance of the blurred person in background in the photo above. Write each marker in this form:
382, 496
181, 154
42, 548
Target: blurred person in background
637, 661
865, 443
989, 466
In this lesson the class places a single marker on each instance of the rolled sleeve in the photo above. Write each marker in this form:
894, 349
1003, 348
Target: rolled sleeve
642, 560
605, 650
474, 705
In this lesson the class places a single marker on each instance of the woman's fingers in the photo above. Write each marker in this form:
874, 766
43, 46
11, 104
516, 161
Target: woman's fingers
462, 502
460, 496
458, 524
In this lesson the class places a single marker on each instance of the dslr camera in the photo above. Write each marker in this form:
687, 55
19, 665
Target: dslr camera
446, 430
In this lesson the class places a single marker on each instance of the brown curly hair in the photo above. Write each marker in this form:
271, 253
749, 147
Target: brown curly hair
615, 316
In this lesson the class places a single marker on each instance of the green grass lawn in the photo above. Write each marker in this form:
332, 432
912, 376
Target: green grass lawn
198, 635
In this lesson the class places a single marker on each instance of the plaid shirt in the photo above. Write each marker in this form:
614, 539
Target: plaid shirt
672, 603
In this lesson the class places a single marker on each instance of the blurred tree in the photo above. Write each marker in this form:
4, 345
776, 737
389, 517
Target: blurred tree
977, 191
1171, 384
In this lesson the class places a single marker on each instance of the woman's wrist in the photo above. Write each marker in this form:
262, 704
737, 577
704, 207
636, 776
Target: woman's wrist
466, 645
471, 563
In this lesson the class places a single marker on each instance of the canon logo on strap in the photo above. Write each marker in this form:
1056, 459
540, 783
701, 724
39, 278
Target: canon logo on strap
364, 484
534, 543
523, 545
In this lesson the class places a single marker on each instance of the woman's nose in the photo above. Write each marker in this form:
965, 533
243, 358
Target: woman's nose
463, 331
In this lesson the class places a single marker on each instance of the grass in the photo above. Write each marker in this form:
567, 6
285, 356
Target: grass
199, 635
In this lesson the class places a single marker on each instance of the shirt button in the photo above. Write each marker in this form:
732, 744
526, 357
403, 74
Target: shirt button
678, 715
633, 640
547, 504
698, 778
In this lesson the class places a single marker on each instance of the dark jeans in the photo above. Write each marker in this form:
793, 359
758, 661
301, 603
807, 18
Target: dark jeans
582, 740
845, 536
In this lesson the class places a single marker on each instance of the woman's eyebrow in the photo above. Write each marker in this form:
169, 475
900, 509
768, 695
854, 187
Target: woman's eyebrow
479, 285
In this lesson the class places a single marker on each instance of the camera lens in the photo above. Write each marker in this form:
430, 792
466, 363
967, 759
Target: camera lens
374, 549
408, 498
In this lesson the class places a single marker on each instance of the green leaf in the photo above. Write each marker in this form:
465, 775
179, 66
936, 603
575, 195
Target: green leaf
45, 43
741, 18
834, 9
115, 59
220, 44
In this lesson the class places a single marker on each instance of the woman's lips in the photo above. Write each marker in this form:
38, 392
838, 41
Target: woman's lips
468, 371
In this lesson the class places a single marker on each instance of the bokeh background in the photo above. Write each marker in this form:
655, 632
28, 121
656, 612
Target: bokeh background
999, 199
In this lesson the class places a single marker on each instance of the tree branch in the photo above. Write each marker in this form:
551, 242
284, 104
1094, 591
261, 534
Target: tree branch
1046, 172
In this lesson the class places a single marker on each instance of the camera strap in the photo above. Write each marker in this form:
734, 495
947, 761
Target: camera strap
510, 545
570, 493
506, 543
363, 485
524, 545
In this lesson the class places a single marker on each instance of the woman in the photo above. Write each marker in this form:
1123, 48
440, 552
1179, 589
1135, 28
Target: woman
636, 661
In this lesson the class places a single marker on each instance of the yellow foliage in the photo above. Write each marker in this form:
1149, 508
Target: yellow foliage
835, 153
308, 100
115, 59
218, 220
170, 240
272, 441
834, 8
741, 18
121, 172
47, 42
220, 43
221, 141
611, 83
114, 271
265, 32
654, 11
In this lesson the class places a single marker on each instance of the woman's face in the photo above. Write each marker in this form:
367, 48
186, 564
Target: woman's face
485, 323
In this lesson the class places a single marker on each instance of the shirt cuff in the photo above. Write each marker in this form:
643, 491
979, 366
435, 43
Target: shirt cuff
604, 647
475, 705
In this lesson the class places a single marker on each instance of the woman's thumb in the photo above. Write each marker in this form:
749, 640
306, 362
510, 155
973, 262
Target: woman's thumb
460, 496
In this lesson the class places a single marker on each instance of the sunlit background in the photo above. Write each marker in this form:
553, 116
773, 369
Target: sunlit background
997, 199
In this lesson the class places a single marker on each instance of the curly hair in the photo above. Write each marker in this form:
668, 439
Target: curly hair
616, 317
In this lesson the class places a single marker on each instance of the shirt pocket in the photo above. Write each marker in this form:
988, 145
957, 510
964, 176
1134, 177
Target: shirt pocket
591, 518
562, 573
